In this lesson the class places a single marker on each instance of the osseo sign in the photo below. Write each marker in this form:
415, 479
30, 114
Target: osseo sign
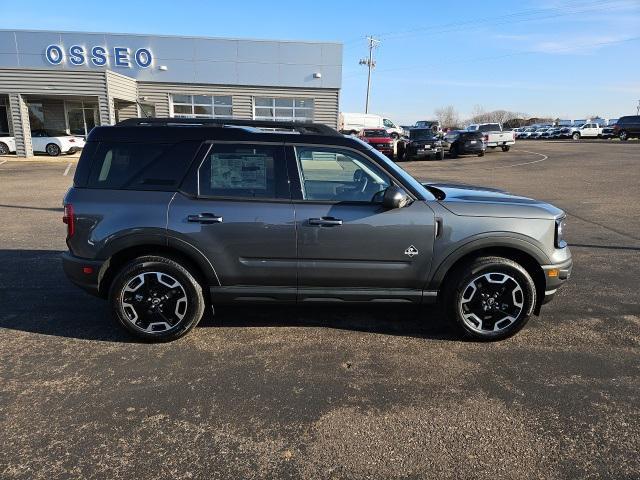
99, 56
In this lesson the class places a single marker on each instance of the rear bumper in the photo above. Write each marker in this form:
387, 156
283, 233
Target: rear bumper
83, 273
555, 276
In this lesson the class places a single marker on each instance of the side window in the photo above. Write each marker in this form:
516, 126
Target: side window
115, 165
339, 175
388, 123
244, 171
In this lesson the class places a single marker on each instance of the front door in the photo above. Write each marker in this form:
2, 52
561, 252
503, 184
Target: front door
240, 216
349, 246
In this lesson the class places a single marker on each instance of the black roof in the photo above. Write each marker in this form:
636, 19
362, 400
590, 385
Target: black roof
171, 130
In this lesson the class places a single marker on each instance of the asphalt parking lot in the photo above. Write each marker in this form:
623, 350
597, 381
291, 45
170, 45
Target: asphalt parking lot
332, 392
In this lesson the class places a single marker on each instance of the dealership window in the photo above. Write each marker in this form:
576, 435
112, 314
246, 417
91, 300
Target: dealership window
4, 119
36, 116
289, 109
201, 106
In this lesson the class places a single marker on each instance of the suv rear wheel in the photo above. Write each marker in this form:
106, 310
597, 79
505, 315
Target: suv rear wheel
623, 135
491, 299
156, 299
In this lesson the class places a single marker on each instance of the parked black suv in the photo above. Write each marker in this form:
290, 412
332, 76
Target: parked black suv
423, 143
166, 216
627, 127
463, 142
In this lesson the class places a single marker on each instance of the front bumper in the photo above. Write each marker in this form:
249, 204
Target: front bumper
84, 273
555, 276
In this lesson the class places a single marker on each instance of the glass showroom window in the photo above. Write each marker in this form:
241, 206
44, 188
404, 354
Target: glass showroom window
201, 106
296, 109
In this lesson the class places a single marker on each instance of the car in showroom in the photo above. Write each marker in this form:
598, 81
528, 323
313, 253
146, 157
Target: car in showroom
379, 139
463, 142
168, 217
627, 127
423, 143
51, 142
7, 145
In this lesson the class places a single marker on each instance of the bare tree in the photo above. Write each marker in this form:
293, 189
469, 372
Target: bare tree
448, 117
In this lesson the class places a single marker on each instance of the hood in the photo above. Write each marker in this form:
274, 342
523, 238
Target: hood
374, 140
469, 200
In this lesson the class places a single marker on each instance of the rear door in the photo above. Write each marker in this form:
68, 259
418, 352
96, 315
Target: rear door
349, 246
236, 209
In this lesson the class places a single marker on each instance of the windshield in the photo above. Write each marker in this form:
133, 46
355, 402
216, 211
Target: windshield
399, 172
375, 133
489, 127
421, 134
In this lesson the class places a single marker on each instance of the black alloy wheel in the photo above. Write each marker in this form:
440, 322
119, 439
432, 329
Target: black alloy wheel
156, 299
491, 299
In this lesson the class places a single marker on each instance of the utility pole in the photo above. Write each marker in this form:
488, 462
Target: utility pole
638, 108
371, 64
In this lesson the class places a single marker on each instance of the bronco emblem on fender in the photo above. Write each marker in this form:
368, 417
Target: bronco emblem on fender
411, 251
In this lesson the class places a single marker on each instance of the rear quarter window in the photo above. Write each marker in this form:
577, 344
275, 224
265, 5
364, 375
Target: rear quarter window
141, 166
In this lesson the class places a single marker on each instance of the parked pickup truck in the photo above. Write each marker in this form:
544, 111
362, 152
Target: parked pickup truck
588, 130
494, 136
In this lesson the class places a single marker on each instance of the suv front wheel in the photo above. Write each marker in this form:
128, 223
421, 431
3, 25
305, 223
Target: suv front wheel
156, 299
491, 299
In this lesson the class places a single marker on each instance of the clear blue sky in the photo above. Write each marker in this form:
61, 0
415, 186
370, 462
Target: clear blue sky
559, 58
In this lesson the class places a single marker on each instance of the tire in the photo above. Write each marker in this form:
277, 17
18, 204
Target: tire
490, 293
506, 148
481, 154
145, 286
576, 136
623, 135
395, 136
4, 149
52, 150
453, 151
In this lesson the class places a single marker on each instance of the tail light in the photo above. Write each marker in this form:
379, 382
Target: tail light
486, 139
70, 219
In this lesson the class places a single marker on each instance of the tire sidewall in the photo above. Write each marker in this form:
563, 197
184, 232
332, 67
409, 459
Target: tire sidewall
4, 149
193, 290
491, 265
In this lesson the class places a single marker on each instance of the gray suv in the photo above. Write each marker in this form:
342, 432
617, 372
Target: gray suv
167, 216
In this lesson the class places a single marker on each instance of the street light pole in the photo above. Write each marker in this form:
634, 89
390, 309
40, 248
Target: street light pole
370, 63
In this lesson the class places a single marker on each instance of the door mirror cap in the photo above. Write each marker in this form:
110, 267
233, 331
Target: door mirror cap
395, 197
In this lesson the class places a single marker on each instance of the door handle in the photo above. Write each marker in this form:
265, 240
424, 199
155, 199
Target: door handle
325, 222
204, 218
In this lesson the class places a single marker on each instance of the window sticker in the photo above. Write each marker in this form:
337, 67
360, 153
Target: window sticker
231, 171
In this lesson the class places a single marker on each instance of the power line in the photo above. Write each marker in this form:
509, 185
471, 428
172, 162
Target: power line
569, 8
496, 57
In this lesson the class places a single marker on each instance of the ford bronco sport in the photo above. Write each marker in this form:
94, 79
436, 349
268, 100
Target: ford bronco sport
166, 216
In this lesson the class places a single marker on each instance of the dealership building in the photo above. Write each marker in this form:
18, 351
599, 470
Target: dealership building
73, 81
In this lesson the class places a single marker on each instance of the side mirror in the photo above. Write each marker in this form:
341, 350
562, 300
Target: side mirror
395, 197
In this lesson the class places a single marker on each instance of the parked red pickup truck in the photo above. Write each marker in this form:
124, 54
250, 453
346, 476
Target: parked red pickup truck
379, 139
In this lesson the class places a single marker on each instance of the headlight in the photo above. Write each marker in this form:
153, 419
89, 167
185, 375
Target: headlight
560, 228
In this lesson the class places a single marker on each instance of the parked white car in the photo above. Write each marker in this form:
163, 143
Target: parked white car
353, 123
54, 143
46, 141
494, 136
588, 130
7, 145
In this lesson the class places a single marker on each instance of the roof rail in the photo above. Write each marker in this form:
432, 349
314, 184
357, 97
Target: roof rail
300, 127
